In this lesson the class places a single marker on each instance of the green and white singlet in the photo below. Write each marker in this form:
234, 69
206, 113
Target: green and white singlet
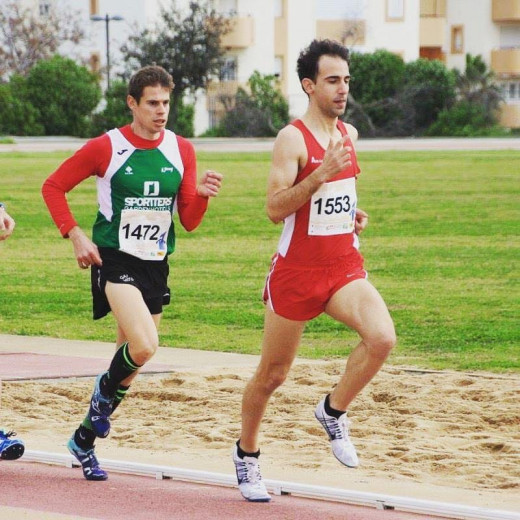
137, 198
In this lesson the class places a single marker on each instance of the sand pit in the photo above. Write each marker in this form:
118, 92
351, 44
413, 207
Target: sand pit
443, 436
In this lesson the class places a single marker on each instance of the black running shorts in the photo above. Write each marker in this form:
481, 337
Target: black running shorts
150, 277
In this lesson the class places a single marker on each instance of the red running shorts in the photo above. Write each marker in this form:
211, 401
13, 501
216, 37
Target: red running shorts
301, 293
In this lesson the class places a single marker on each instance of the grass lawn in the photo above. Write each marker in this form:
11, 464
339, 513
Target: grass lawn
442, 247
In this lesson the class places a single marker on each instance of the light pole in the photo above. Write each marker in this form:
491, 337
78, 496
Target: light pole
107, 19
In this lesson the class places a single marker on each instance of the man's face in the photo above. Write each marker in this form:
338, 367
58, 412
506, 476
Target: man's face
330, 91
151, 113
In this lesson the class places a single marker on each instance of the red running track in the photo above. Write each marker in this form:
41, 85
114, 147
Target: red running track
58, 489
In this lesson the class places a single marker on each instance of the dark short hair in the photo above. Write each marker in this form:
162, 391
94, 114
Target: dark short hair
149, 76
307, 64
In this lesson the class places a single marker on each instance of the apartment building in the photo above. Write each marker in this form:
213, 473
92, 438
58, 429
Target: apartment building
449, 29
267, 35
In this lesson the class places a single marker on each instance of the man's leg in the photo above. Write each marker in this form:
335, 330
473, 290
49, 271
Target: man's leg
280, 344
279, 347
134, 321
360, 306
137, 332
122, 338
139, 328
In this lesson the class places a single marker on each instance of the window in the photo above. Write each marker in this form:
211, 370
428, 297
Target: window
94, 7
228, 7
457, 39
95, 62
44, 7
278, 67
279, 8
394, 10
228, 70
510, 91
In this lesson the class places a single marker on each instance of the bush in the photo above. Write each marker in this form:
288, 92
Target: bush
429, 87
183, 124
17, 115
260, 113
116, 112
376, 79
464, 119
65, 95
375, 76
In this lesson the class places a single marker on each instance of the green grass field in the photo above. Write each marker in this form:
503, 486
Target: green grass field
442, 247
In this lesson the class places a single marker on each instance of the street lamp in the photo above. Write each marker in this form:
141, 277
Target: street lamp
107, 19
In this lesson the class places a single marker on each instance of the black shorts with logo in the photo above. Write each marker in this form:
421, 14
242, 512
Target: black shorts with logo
150, 277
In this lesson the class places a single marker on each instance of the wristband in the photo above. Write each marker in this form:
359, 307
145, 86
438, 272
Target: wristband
2, 205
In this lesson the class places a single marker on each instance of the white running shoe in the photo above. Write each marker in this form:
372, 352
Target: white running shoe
337, 430
249, 478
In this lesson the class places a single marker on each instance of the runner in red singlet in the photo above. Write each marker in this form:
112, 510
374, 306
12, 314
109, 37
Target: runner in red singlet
318, 267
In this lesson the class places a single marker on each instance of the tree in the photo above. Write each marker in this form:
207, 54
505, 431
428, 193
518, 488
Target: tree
476, 85
187, 47
26, 38
262, 112
65, 95
475, 111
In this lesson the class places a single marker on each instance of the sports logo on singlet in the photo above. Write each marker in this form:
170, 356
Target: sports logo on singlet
151, 188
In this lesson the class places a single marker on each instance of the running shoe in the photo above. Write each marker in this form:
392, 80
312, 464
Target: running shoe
101, 408
10, 449
249, 478
337, 430
88, 461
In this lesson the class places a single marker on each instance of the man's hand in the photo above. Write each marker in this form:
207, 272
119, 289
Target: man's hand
6, 224
85, 250
336, 159
361, 221
210, 184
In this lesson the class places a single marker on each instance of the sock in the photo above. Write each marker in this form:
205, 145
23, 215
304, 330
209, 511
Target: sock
84, 437
119, 396
241, 453
332, 411
121, 367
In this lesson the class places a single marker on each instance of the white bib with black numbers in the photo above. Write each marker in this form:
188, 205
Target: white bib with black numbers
143, 233
333, 208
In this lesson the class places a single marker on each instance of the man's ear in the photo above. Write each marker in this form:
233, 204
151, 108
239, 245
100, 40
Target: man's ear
131, 102
307, 85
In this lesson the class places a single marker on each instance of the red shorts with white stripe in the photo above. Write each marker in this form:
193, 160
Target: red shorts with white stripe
301, 293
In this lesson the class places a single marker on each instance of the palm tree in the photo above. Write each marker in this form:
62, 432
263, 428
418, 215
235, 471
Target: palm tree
476, 86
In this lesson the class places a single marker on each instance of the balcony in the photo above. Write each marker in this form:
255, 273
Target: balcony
241, 35
433, 8
220, 95
510, 116
506, 11
432, 32
347, 31
506, 62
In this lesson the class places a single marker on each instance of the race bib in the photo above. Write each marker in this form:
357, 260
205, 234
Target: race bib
333, 208
144, 233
